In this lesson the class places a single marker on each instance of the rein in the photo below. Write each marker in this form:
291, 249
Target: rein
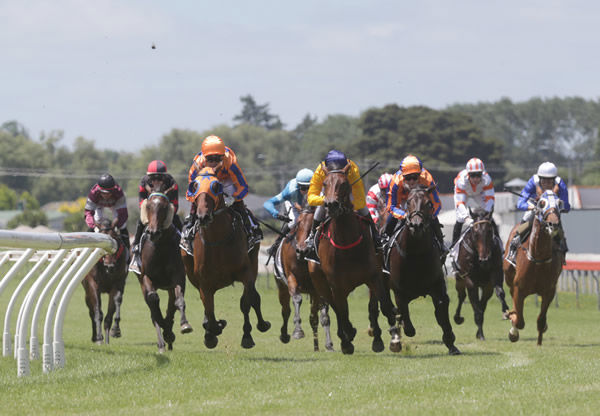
543, 224
229, 237
340, 246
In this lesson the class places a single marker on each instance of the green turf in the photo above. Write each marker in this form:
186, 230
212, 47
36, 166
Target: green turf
491, 377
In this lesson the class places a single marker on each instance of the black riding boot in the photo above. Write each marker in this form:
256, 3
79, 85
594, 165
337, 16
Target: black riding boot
187, 234
253, 231
377, 239
134, 266
456, 232
310, 240
273, 249
125, 238
390, 226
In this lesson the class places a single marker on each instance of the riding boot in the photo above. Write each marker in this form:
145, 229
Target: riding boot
125, 238
520, 235
437, 229
187, 234
253, 231
377, 240
390, 226
134, 266
273, 249
456, 232
310, 240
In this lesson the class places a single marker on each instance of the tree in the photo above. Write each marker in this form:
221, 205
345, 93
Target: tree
8, 198
257, 115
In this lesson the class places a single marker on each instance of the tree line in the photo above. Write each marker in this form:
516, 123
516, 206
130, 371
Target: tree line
511, 138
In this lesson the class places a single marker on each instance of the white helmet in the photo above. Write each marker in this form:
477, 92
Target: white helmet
475, 165
547, 170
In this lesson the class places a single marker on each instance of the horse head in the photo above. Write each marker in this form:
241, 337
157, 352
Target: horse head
208, 196
105, 226
337, 191
419, 209
482, 233
301, 229
548, 210
159, 213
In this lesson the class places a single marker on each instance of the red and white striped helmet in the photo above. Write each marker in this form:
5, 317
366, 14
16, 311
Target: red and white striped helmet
384, 180
475, 165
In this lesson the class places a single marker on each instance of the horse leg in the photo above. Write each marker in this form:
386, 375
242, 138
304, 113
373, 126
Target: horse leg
477, 311
93, 302
284, 301
297, 300
325, 323
516, 315
116, 296
409, 329
346, 331
499, 288
377, 344
245, 304
212, 327
462, 294
254, 299
108, 318
153, 302
184, 325
168, 334
313, 319
441, 302
486, 294
542, 325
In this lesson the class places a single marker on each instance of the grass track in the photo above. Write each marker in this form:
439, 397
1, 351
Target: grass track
492, 377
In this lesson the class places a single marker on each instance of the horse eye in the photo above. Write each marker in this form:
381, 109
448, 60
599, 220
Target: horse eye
216, 187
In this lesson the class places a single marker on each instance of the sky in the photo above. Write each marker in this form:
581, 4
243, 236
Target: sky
88, 67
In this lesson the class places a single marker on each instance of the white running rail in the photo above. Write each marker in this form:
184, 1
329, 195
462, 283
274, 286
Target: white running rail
62, 260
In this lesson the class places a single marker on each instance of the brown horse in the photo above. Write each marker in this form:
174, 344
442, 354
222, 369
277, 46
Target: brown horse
348, 260
221, 257
416, 270
479, 265
107, 276
162, 267
297, 281
538, 264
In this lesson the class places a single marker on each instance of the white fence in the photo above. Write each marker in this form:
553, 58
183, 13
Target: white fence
62, 260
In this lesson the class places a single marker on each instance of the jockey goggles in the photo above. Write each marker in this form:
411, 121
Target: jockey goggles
411, 177
214, 158
475, 175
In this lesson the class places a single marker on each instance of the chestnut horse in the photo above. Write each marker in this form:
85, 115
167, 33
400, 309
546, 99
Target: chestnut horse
297, 281
479, 266
162, 267
348, 260
107, 276
220, 258
415, 267
538, 264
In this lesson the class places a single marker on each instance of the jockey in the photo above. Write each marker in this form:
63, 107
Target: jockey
476, 184
216, 155
378, 195
412, 174
546, 179
337, 160
107, 194
156, 175
295, 192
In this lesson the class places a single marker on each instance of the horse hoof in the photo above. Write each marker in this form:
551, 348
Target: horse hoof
513, 335
377, 345
99, 342
170, 346
370, 331
210, 341
247, 342
454, 351
285, 338
409, 330
263, 326
115, 332
505, 316
298, 334
222, 323
161, 350
186, 328
329, 347
458, 319
347, 348
479, 336
169, 337
395, 346
351, 335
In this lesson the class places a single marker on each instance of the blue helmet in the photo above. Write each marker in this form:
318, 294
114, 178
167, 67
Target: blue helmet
335, 160
304, 176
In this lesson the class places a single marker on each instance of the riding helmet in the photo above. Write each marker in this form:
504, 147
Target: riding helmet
213, 145
335, 160
304, 176
106, 181
475, 165
156, 167
547, 170
411, 164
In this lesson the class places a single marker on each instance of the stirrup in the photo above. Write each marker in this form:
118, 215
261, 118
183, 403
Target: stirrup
186, 246
134, 265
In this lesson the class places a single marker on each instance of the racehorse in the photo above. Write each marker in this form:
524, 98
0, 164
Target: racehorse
161, 266
107, 276
415, 267
348, 259
297, 281
538, 264
479, 266
221, 257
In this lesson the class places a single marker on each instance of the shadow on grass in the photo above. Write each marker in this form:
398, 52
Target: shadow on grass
281, 359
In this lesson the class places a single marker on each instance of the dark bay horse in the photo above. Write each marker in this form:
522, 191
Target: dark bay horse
162, 267
297, 281
221, 257
538, 264
479, 264
348, 260
416, 270
107, 276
